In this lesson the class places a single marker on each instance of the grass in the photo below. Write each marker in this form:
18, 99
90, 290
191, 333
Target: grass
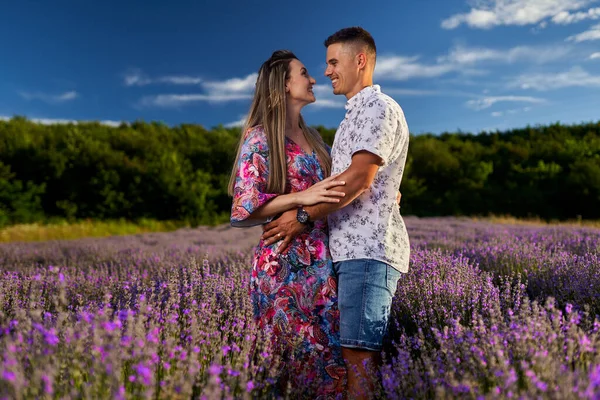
89, 228
86, 228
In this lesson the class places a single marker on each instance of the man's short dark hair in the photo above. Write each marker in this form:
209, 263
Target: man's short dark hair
355, 34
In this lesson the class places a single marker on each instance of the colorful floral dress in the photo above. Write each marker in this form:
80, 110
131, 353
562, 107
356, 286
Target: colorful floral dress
295, 293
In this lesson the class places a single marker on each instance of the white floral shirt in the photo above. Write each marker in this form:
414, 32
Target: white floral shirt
371, 226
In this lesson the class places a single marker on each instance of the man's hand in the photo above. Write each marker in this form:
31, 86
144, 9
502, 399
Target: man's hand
284, 228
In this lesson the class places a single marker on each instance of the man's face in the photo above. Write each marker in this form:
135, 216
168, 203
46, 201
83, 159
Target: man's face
341, 68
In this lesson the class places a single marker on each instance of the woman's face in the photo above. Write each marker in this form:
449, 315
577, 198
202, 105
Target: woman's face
299, 86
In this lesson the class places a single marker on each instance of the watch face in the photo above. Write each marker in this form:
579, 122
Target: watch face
302, 216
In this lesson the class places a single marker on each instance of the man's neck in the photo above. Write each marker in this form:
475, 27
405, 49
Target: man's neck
359, 87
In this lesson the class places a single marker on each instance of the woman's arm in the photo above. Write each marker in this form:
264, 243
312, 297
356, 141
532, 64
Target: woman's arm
317, 193
252, 203
276, 206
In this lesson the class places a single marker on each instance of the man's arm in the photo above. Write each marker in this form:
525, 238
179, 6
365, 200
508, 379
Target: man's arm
358, 178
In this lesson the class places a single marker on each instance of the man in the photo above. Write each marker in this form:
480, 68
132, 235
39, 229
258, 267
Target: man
368, 240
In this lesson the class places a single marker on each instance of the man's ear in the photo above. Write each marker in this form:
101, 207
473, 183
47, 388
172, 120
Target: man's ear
361, 59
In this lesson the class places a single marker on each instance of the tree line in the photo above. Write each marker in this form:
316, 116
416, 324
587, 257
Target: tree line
151, 170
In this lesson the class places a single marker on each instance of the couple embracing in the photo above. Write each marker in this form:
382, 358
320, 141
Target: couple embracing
334, 244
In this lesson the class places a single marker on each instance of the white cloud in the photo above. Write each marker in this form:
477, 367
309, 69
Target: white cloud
237, 124
591, 34
403, 68
176, 100
470, 55
497, 114
323, 90
233, 89
575, 77
565, 17
67, 96
412, 92
462, 59
486, 14
233, 85
328, 103
180, 80
594, 56
50, 98
137, 78
487, 102
54, 121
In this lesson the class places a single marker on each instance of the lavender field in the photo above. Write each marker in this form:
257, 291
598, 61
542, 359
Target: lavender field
486, 311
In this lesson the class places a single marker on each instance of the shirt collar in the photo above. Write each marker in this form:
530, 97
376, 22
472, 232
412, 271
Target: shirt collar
360, 96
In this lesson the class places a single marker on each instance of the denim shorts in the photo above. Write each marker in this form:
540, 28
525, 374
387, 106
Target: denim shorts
365, 291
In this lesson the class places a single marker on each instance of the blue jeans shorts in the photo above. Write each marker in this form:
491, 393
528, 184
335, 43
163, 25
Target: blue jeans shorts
365, 291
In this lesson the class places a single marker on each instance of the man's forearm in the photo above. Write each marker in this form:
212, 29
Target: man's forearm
356, 184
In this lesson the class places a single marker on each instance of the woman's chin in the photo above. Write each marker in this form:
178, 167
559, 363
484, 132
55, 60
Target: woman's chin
308, 101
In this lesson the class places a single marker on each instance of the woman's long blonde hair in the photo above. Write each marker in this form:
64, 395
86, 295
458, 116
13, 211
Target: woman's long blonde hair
269, 110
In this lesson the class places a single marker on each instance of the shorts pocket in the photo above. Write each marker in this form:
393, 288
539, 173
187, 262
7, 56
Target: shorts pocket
392, 278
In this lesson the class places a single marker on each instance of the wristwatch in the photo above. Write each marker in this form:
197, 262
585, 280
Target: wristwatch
302, 216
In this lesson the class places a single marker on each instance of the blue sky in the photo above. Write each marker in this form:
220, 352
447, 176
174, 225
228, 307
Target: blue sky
471, 65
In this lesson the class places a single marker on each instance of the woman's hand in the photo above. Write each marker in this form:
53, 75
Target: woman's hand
320, 193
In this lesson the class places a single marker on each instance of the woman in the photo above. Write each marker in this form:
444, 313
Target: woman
280, 165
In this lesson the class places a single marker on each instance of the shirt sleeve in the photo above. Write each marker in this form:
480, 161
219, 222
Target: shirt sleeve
375, 130
250, 189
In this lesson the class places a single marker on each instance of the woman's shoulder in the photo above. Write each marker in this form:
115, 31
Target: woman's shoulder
256, 138
256, 132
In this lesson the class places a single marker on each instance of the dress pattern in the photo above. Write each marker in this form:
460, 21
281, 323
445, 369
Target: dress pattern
295, 293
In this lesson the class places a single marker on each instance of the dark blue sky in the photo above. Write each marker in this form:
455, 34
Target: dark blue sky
457, 64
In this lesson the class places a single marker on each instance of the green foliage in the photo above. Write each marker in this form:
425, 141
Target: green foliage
99, 172
150, 170
19, 202
549, 172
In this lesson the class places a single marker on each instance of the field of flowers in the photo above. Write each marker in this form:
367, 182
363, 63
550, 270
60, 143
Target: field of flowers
486, 311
